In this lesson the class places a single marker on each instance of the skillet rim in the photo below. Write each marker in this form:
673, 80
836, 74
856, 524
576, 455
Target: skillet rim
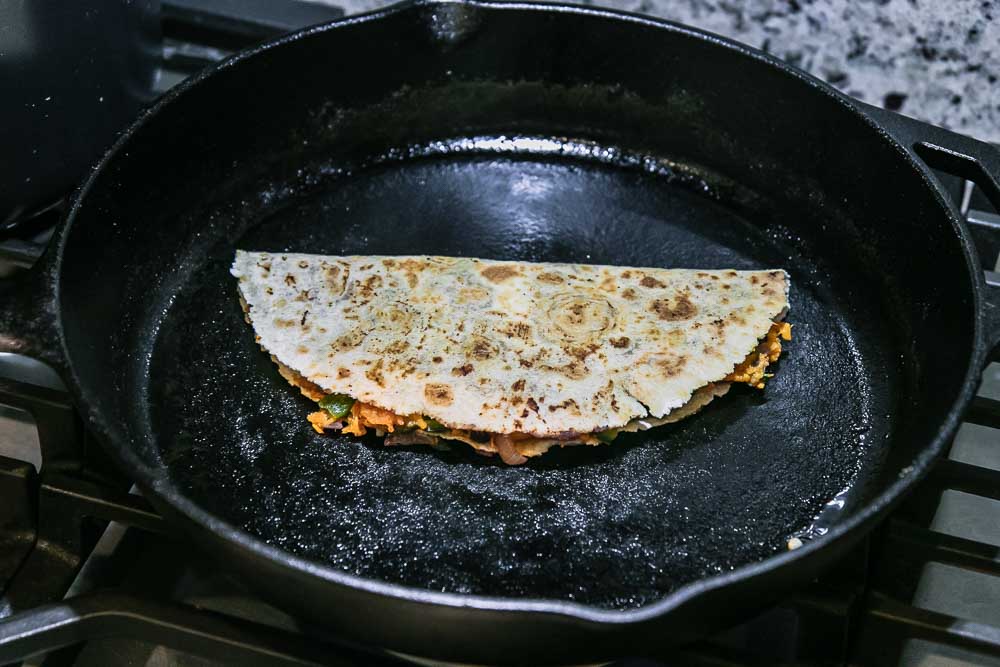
154, 481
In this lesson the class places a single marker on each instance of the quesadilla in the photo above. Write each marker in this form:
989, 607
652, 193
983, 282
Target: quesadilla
510, 358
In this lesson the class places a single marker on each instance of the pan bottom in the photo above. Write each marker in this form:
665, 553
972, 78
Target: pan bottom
617, 526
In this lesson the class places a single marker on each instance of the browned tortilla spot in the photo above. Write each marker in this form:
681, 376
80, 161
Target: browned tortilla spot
629, 294
347, 341
462, 371
473, 294
482, 349
520, 330
343, 373
581, 352
569, 402
438, 394
620, 342
336, 280
532, 404
375, 374
396, 347
650, 281
412, 269
671, 366
498, 274
574, 370
368, 288
553, 278
284, 324
290, 280
682, 309
518, 385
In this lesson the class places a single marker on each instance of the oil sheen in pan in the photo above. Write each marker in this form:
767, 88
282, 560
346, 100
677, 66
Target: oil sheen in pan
614, 526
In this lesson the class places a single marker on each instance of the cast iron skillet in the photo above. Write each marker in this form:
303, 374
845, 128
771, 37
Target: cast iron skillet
532, 132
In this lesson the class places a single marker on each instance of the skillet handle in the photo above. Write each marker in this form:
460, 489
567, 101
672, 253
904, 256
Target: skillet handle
973, 160
28, 307
945, 150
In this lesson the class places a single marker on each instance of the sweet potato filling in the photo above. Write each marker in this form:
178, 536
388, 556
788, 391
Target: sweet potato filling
752, 369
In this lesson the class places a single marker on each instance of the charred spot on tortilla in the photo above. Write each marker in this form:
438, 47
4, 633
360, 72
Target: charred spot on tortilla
680, 308
438, 394
482, 349
509, 358
670, 366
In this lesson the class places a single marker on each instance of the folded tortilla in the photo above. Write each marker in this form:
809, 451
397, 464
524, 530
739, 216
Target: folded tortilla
508, 357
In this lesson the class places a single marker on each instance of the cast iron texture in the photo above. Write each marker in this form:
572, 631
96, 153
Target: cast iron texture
519, 132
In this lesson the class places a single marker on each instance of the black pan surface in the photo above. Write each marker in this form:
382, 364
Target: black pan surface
617, 526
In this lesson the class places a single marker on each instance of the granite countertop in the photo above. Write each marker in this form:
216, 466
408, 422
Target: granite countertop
933, 60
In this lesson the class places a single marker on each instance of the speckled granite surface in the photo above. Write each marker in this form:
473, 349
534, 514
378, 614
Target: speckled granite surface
938, 60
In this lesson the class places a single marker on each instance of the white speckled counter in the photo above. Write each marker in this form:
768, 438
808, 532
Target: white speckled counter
937, 60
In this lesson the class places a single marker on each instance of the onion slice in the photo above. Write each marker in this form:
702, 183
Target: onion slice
505, 446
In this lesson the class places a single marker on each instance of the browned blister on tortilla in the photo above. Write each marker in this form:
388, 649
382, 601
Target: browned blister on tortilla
537, 350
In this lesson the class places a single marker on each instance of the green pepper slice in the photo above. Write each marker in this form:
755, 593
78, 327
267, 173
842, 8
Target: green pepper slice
607, 436
434, 426
338, 405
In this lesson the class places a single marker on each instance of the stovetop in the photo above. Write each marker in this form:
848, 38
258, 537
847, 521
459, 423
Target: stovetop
90, 575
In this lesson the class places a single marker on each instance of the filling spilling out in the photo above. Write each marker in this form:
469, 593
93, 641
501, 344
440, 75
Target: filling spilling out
339, 412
